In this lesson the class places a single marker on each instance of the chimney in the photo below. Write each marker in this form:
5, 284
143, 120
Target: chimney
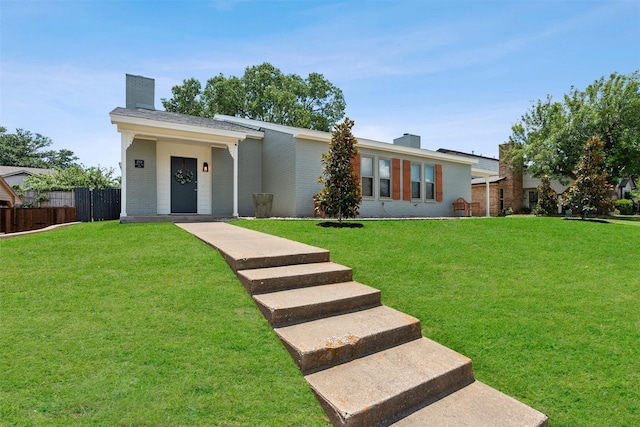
140, 92
408, 140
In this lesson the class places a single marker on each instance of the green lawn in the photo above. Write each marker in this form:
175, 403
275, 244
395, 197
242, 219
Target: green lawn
547, 309
142, 324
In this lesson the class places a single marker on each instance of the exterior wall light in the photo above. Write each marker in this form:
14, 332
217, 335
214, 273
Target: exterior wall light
205, 167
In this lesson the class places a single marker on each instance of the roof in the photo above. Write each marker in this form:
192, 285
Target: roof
492, 180
321, 136
461, 153
19, 170
177, 118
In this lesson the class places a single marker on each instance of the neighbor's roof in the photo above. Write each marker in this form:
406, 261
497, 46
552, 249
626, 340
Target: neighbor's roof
6, 171
7, 194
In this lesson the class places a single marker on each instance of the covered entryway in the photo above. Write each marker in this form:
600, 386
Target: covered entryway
184, 185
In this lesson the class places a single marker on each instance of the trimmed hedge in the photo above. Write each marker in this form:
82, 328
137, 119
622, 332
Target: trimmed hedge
625, 206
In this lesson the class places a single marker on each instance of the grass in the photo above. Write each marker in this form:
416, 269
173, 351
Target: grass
141, 324
548, 310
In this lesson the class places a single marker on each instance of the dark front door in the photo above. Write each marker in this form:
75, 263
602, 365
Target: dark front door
184, 185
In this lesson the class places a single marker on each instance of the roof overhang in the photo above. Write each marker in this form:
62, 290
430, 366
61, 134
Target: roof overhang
145, 128
482, 172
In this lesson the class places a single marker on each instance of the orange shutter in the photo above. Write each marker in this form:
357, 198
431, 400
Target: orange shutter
395, 165
406, 179
438, 183
356, 164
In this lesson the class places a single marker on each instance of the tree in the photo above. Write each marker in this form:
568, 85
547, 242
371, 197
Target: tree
263, 93
591, 193
341, 195
26, 149
76, 176
547, 198
550, 136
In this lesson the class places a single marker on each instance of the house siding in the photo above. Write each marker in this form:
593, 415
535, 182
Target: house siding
308, 170
250, 175
142, 189
222, 181
279, 171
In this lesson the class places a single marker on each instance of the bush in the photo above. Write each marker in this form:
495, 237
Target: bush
625, 206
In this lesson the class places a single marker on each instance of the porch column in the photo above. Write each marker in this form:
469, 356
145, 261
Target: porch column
233, 150
126, 139
487, 196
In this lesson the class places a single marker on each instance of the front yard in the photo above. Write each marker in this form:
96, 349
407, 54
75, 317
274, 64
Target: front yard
142, 324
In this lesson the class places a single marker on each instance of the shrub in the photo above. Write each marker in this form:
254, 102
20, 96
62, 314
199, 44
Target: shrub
625, 206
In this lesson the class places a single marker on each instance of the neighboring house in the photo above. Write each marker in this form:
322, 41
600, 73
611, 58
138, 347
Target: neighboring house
179, 164
15, 175
506, 188
8, 197
625, 187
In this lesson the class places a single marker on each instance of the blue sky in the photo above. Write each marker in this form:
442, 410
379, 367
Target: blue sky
457, 73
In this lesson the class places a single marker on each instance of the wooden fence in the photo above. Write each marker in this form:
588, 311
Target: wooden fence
54, 199
13, 220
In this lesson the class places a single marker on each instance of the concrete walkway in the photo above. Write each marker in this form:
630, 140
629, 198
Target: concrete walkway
367, 364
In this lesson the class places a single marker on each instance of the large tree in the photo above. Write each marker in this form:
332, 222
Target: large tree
263, 93
76, 176
550, 137
28, 150
341, 195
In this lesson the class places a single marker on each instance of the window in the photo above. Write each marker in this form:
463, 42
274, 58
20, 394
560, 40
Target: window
415, 181
430, 182
501, 199
533, 199
384, 171
366, 173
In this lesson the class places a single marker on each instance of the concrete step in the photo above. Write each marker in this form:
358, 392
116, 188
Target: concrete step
476, 405
245, 249
302, 305
338, 339
383, 385
263, 280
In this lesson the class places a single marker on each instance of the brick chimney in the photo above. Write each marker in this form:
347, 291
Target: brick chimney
140, 92
513, 185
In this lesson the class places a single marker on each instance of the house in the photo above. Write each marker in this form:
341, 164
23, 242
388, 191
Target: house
15, 175
505, 188
8, 197
175, 164
625, 187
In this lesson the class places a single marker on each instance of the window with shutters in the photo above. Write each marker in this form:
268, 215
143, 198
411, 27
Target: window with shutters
430, 182
384, 172
366, 176
415, 181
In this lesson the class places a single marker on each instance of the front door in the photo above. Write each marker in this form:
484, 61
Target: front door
184, 185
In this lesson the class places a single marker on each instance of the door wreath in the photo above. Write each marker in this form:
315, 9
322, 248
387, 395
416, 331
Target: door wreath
183, 175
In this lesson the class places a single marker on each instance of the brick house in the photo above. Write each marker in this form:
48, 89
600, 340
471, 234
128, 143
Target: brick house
506, 188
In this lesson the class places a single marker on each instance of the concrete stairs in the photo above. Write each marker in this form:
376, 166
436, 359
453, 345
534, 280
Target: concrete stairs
368, 364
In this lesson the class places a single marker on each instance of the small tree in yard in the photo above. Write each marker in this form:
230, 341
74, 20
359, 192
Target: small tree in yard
341, 195
591, 193
547, 198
